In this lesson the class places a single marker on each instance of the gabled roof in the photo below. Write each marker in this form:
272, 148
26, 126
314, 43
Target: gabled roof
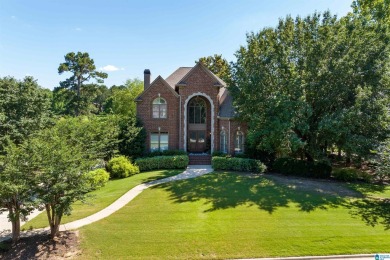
159, 78
176, 76
217, 81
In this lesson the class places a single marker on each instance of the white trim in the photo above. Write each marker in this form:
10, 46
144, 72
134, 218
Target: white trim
212, 118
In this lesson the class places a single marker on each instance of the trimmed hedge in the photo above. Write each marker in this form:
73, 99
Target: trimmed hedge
166, 153
121, 167
162, 162
291, 166
351, 174
237, 164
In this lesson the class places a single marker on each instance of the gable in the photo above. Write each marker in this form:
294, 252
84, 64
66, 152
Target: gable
153, 87
217, 82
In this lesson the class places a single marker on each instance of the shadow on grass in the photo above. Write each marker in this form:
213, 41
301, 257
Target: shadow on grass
229, 190
372, 211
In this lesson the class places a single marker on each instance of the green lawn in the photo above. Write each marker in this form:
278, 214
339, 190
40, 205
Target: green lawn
103, 197
227, 215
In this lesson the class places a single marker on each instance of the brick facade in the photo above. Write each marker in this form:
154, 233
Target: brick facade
178, 90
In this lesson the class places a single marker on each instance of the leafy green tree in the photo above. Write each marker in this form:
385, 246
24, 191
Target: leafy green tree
122, 99
24, 109
65, 154
314, 83
83, 69
218, 65
16, 182
132, 137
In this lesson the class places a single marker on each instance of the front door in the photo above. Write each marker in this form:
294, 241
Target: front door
197, 141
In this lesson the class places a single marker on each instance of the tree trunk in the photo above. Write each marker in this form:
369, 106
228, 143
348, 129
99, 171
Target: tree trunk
339, 153
15, 230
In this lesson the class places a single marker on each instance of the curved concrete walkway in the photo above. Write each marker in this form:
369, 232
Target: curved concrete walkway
192, 171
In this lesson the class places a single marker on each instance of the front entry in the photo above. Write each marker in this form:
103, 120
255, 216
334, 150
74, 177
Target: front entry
197, 141
197, 125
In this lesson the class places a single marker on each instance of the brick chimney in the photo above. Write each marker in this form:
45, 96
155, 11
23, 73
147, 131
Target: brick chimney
146, 79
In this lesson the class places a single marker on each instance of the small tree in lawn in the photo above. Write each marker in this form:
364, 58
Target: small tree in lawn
63, 162
16, 183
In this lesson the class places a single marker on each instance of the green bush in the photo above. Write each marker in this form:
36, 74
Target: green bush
291, 166
237, 164
121, 167
350, 174
162, 162
97, 178
166, 153
220, 154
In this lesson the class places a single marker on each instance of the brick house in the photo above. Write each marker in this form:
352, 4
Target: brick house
191, 110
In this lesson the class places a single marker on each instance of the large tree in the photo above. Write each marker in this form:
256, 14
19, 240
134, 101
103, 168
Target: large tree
17, 172
24, 109
218, 65
122, 99
64, 153
313, 83
83, 69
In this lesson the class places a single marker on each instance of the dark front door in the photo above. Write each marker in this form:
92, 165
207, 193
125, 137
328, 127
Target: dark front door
197, 141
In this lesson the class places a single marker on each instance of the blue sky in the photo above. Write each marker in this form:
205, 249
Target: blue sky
133, 35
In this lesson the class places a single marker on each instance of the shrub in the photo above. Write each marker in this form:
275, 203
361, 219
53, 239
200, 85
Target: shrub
291, 166
350, 174
166, 153
97, 178
121, 167
237, 164
162, 162
219, 154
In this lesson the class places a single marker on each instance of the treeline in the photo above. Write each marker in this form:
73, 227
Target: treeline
50, 140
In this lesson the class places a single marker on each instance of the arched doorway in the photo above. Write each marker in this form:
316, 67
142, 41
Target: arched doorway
198, 121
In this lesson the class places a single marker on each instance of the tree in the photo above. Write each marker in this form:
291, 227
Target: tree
218, 65
314, 83
122, 99
132, 137
65, 153
16, 181
24, 109
83, 69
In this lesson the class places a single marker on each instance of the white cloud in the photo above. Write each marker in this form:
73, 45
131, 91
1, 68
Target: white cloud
111, 68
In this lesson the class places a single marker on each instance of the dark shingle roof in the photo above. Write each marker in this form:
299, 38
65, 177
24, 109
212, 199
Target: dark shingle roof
176, 76
226, 108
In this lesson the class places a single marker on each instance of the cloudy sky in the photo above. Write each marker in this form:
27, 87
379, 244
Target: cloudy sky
125, 37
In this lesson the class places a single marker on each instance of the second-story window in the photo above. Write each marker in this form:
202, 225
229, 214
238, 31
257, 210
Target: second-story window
159, 108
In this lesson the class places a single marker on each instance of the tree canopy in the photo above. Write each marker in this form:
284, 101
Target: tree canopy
83, 69
314, 83
218, 65
24, 109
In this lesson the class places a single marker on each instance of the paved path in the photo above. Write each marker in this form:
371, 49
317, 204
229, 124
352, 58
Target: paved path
192, 171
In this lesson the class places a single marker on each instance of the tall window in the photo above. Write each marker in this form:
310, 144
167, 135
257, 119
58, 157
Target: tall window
197, 111
159, 108
223, 141
158, 141
239, 142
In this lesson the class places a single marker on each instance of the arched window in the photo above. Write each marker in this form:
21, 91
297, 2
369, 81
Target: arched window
239, 142
223, 141
159, 108
197, 111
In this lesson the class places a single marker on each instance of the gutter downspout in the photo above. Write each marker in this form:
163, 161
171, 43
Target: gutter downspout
180, 122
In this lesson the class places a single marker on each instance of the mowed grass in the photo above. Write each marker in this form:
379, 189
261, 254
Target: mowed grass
103, 197
227, 215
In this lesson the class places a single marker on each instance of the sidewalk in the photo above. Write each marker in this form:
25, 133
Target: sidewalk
192, 171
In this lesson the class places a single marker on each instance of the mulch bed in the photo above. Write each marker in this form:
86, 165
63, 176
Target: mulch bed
40, 246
